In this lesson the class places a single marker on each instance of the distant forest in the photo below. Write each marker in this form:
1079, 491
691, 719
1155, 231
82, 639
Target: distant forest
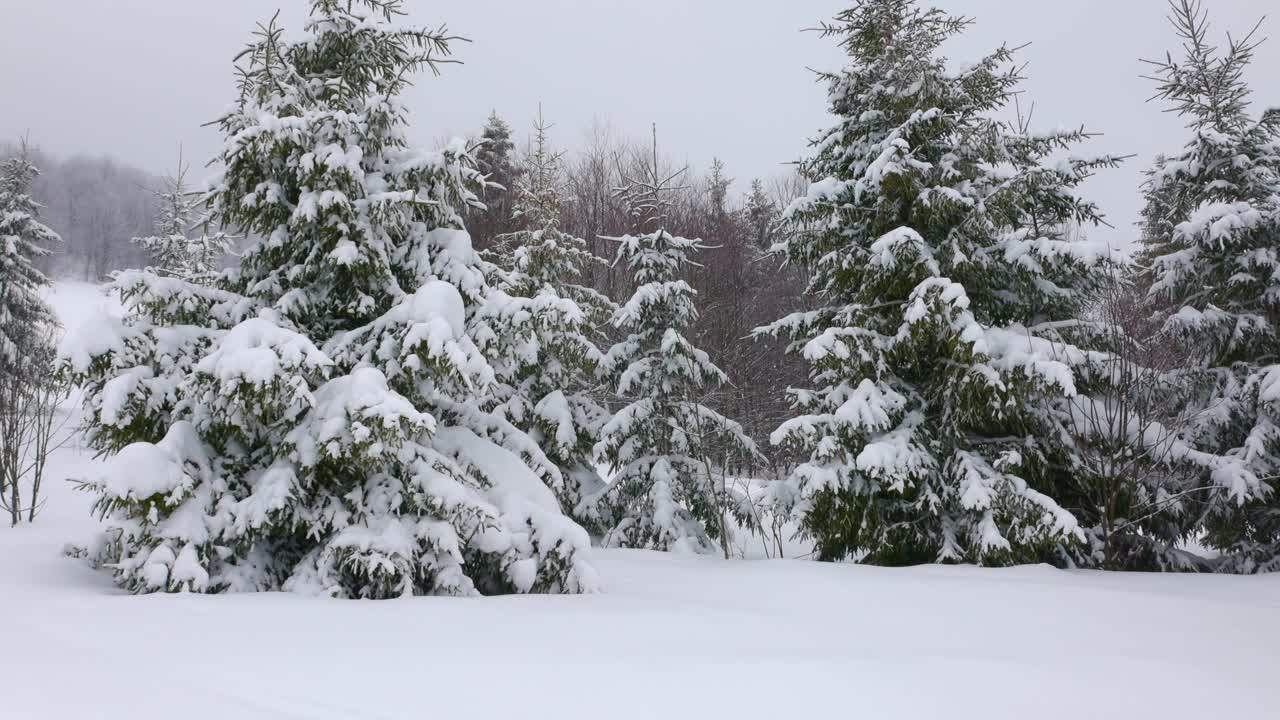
98, 204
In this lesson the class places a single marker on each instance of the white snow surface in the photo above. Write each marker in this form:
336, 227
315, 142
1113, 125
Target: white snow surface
257, 351
89, 315
671, 636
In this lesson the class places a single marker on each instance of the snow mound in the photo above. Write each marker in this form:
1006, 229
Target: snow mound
99, 333
436, 301
513, 486
257, 351
145, 470
350, 409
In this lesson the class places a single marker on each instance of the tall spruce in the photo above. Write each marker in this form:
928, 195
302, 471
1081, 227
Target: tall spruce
544, 326
496, 158
761, 215
1212, 233
25, 318
945, 288
27, 326
311, 420
665, 493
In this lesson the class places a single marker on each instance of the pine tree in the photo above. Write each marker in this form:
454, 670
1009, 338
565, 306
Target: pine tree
172, 248
719, 190
496, 155
1212, 232
496, 159
544, 327
664, 494
311, 420
761, 214
27, 324
944, 286
24, 315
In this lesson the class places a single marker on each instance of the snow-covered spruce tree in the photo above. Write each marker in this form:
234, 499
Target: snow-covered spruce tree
496, 159
1212, 232
311, 420
24, 315
27, 326
173, 247
664, 493
761, 215
943, 284
543, 327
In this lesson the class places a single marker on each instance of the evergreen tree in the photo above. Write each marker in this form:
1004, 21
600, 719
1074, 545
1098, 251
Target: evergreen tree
311, 420
944, 285
664, 494
496, 155
24, 316
719, 191
761, 214
496, 159
27, 324
544, 327
1212, 231
172, 248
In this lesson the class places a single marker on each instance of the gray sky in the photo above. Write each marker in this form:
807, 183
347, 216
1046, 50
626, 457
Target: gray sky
727, 78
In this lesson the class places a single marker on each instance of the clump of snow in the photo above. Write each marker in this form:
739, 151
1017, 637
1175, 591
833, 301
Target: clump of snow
1269, 390
117, 392
143, 470
533, 524
1216, 223
1014, 349
350, 409
514, 486
96, 335
257, 351
436, 300
870, 406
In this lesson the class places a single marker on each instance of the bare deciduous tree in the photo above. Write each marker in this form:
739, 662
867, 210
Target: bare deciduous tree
1136, 474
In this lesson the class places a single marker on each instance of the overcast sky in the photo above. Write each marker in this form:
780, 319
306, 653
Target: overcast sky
726, 78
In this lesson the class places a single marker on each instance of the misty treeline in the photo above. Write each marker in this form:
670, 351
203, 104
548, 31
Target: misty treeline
96, 204
100, 206
740, 285
907, 350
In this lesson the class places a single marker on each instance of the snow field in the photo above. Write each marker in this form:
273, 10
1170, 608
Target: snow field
670, 636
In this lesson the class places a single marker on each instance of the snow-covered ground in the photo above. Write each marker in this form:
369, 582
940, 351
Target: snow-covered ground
671, 637
79, 303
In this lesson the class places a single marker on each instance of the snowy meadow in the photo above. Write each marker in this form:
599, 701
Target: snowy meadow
752, 639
